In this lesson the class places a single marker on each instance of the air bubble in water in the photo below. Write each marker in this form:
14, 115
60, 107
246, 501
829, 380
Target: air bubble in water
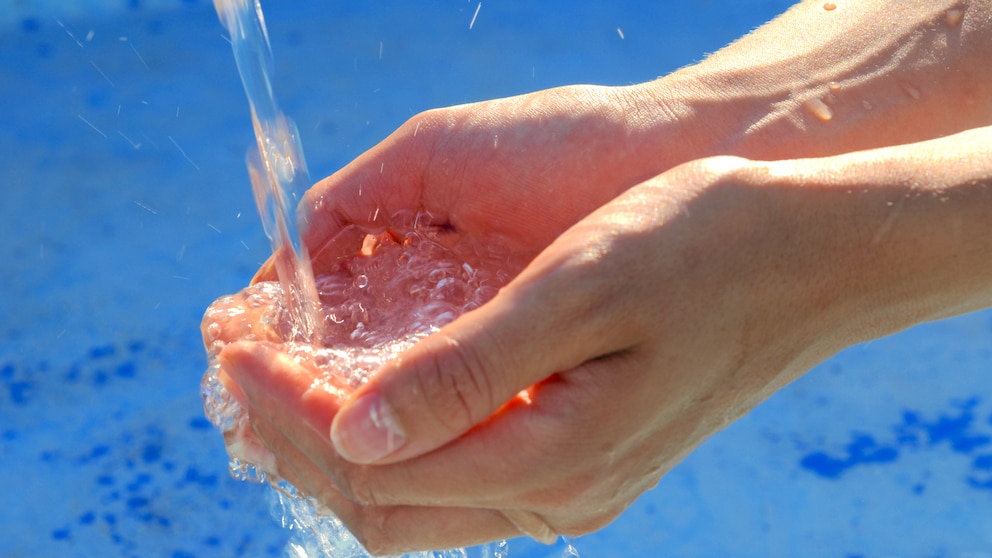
245, 472
435, 276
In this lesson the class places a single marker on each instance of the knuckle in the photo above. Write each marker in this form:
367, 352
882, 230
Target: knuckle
591, 523
356, 485
456, 387
591, 294
374, 534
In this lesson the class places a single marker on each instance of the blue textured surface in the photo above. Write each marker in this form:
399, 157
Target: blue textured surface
127, 210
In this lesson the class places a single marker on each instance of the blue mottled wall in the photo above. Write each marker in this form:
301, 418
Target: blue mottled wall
126, 210
17, 11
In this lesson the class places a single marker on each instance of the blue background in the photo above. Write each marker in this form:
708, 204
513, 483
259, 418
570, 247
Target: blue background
127, 210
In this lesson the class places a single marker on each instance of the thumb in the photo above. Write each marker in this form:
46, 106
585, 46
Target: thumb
541, 323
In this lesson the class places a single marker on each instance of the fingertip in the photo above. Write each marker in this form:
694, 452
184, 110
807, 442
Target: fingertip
275, 384
258, 368
243, 360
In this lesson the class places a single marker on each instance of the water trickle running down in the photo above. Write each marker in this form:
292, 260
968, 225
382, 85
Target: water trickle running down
953, 17
819, 109
912, 91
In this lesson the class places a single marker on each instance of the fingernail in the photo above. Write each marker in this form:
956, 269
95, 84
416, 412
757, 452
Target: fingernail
365, 431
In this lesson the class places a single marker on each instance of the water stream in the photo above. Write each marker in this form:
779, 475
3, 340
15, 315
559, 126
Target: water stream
277, 168
348, 321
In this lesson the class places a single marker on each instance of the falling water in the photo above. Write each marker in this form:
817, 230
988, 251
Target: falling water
277, 168
349, 321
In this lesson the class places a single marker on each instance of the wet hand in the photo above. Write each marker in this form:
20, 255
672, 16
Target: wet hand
640, 331
523, 169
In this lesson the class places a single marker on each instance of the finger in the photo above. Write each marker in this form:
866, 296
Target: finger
293, 464
554, 317
532, 525
244, 446
279, 390
394, 530
282, 470
519, 460
232, 387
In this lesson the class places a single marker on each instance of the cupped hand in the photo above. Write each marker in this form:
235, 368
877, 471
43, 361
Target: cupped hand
522, 168
636, 334
514, 172
640, 331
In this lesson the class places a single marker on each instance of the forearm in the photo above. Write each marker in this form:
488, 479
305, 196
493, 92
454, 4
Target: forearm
817, 82
889, 237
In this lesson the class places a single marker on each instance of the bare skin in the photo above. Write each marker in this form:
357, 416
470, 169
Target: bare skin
669, 291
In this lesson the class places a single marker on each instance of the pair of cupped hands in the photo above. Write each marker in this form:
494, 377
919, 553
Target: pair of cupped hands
666, 295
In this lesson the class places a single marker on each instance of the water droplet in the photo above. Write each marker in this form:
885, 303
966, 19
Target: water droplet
834, 86
415, 289
819, 109
953, 17
570, 551
830, 6
213, 331
867, 105
436, 275
911, 91
245, 472
361, 281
